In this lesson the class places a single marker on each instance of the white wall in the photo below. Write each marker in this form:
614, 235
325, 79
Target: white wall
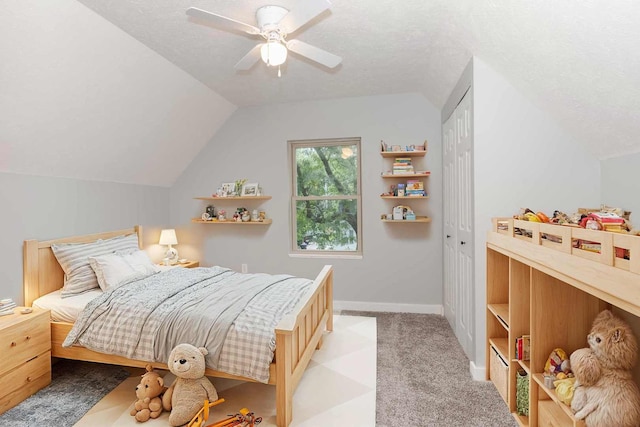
620, 178
620, 183
42, 208
402, 263
80, 98
523, 159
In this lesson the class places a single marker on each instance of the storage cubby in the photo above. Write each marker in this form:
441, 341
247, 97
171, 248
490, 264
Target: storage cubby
542, 288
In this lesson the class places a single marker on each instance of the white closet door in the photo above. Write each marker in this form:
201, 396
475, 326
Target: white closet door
464, 224
449, 216
457, 159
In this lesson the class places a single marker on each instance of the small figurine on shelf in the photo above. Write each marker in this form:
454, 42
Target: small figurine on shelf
254, 215
221, 214
262, 216
246, 216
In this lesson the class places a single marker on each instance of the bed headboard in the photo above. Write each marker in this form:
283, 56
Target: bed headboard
42, 273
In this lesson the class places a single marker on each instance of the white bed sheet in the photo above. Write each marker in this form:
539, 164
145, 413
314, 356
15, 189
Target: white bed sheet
68, 309
65, 309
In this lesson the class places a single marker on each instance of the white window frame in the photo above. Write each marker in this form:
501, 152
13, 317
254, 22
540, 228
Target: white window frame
295, 251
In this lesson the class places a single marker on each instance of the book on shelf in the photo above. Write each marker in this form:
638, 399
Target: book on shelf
6, 306
403, 160
414, 184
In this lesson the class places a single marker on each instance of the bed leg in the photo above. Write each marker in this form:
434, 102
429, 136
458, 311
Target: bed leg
284, 382
319, 346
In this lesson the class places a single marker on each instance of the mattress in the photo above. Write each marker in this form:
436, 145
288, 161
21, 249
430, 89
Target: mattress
65, 309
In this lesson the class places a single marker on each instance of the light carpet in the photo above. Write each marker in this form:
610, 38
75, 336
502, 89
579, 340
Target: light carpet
339, 385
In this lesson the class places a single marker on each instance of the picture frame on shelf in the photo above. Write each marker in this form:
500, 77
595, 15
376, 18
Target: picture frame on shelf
227, 189
250, 189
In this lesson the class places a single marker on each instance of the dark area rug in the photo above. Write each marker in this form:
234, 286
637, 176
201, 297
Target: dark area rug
74, 389
423, 376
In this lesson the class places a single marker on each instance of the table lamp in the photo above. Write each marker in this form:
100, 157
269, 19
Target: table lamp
168, 237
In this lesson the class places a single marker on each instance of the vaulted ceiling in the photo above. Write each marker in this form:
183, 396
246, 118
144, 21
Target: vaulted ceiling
577, 60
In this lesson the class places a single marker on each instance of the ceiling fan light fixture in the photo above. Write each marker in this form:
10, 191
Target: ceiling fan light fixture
273, 53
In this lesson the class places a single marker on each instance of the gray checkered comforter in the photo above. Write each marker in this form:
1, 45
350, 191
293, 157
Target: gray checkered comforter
232, 314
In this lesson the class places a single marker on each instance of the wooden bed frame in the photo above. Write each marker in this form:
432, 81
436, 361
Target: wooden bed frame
297, 335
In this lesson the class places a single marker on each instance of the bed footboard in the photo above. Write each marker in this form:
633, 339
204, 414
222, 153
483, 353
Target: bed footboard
297, 337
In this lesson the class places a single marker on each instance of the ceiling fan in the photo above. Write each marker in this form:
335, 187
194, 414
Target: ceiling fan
274, 24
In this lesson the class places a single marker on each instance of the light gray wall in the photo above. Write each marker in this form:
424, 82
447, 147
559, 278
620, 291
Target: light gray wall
402, 264
620, 183
42, 208
83, 99
523, 159
620, 178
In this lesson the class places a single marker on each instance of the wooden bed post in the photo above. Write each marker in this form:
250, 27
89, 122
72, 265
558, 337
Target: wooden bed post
30, 268
284, 384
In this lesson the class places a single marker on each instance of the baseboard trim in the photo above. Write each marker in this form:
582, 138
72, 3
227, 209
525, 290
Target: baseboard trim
477, 373
388, 307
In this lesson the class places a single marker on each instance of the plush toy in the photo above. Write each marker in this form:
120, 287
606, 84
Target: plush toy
148, 392
605, 393
185, 396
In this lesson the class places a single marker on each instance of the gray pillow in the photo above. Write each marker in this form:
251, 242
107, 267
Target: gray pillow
79, 277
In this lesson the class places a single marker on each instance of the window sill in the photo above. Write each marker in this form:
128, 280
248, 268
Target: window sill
319, 255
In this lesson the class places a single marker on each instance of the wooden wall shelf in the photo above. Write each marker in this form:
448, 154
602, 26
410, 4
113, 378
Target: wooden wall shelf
417, 153
406, 175
405, 197
231, 222
223, 199
419, 219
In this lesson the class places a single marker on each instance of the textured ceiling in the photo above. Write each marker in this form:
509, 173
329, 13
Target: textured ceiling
577, 60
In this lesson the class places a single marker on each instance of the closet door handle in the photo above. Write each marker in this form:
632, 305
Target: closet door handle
463, 243
448, 235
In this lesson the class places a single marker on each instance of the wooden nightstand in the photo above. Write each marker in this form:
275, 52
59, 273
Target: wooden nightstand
188, 264
25, 345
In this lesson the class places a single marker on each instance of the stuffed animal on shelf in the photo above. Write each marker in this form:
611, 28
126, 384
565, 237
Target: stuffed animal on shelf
605, 393
148, 392
191, 387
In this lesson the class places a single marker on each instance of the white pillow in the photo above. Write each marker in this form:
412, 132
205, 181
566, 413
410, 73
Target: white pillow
140, 262
112, 271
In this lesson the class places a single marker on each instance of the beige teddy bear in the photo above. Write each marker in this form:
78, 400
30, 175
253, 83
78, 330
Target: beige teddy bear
605, 392
148, 392
186, 396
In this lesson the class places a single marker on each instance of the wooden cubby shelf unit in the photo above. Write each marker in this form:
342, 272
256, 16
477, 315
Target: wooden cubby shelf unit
550, 290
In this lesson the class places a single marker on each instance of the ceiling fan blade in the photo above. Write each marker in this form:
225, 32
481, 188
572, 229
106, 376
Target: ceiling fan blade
315, 54
222, 21
249, 59
302, 13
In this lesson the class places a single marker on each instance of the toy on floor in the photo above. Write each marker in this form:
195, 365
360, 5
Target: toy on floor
203, 414
191, 387
148, 392
244, 418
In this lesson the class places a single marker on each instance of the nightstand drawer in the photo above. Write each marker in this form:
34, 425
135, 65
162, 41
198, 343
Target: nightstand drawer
24, 381
24, 340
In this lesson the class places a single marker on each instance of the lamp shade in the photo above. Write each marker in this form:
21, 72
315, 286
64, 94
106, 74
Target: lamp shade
273, 53
168, 237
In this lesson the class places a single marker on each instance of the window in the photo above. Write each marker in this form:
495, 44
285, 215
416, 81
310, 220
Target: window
325, 197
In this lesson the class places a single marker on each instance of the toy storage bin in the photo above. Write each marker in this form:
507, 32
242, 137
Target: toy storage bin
499, 372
